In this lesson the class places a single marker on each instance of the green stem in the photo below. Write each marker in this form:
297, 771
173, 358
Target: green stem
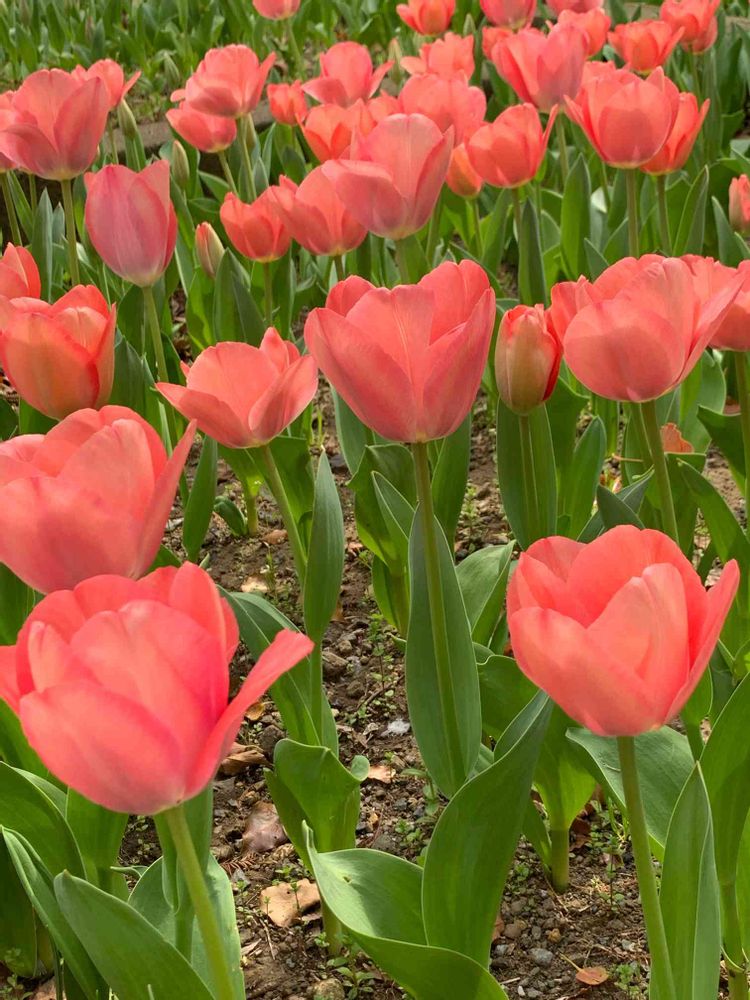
438, 619
227, 170
268, 293
317, 692
221, 974
696, 88
529, 477
478, 247
631, 184
276, 486
605, 185
334, 930
112, 140
562, 147
661, 473
251, 505
400, 598
297, 60
560, 858
33, 197
661, 200
661, 968
339, 267
10, 210
245, 128
70, 226
515, 194
154, 326
636, 416
433, 232
403, 262
743, 394
733, 952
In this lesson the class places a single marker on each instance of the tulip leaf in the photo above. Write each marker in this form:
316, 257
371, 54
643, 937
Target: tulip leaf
14, 747
474, 841
664, 765
483, 577
325, 564
505, 692
235, 316
531, 280
18, 949
616, 508
398, 515
449, 478
691, 229
448, 767
292, 458
353, 436
132, 956
575, 223
582, 481
732, 248
98, 833
200, 505
535, 516
42, 241
689, 894
726, 433
394, 463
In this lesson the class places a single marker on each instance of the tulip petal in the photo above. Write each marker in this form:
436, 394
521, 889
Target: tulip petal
369, 193
284, 400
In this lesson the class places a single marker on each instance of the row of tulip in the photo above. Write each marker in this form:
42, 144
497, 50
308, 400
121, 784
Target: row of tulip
115, 685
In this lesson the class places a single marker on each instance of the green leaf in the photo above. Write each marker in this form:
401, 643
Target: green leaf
531, 280
689, 895
692, 226
574, 219
732, 248
132, 956
394, 463
450, 476
505, 692
235, 316
611, 513
564, 782
426, 709
200, 505
353, 436
14, 747
17, 921
398, 515
527, 527
98, 833
42, 243
483, 577
726, 432
325, 564
583, 481
292, 457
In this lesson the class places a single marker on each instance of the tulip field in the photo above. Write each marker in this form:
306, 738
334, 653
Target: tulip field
374, 500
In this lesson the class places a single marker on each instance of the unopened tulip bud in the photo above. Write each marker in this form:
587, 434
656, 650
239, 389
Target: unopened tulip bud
527, 359
395, 55
739, 204
470, 26
24, 12
126, 120
208, 248
180, 166
171, 72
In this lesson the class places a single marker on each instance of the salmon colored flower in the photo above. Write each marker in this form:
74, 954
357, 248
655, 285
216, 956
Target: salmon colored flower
694, 17
208, 249
427, 17
644, 45
542, 68
277, 10
393, 179
91, 496
256, 230
329, 129
208, 133
712, 278
451, 57
674, 153
287, 102
346, 75
509, 151
6, 117
19, 275
739, 204
61, 357
56, 124
511, 14
705, 40
245, 396
408, 360
113, 77
316, 217
491, 37
527, 358
131, 221
594, 23
617, 632
448, 103
228, 81
576, 6
462, 178
123, 686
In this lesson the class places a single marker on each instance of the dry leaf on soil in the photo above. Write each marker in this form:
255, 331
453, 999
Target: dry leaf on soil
263, 830
593, 976
284, 905
382, 773
239, 758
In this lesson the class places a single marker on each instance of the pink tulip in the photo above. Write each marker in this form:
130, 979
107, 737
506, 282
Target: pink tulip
123, 686
491, 37
712, 278
347, 75
329, 129
618, 632
19, 275
6, 117
705, 40
256, 230
594, 23
287, 102
451, 57
645, 339
393, 181
277, 10
527, 358
627, 119
462, 178
739, 204
208, 133
245, 396
131, 221
111, 74
449, 103
511, 14
674, 153
576, 6
509, 151
543, 68
644, 45
316, 217
91, 496
208, 249
56, 124
694, 17
228, 82
59, 358
408, 360
427, 17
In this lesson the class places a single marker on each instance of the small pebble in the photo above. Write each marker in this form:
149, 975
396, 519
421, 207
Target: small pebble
541, 957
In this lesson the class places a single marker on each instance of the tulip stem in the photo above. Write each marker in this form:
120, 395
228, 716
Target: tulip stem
250, 493
154, 326
529, 475
661, 200
10, 210
244, 128
743, 398
562, 147
631, 184
402, 260
221, 974
268, 293
339, 267
297, 60
433, 232
33, 197
276, 486
70, 226
112, 140
478, 247
644, 452
733, 953
661, 472
515, 194
605, 185
661, 967
438, 619
228, 175
560, 858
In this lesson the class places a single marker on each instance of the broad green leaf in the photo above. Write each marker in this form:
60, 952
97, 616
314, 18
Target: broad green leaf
353, 436
325, 563
531, 280
692, 226
583, 480
529, 518
450, 476
505, 692
398, 515
98, 833
17, 922
726, 432
394, 463
611, 512
483, 577
564, 783
14, 747
236, 315
200, 505
574, 219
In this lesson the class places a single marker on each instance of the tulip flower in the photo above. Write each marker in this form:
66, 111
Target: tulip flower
491, 37
113, 77
527, 359
449, 103
451, 57
427, 17
228, 82
694, 17
576, 6
277, 10
91, 496
124, 686
257, 230
346, 76
408, 361
59, 358
627, 119
462, 178
6, 117
679, 144
705, 40
287, 102
618, 632
208, 249
739, 204
130, 220
594, 23
643, 340
57, 124
19, 275
208, 133
329, 129
393, 180
644, 45
245, 396
509, 151
543, 68
511, 14
316, 217
712, 277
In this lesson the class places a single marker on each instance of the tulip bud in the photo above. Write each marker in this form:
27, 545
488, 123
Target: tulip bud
171, 72
24, 13
180, 166
527, 359
470, 26
739, 204
126, 120
395, 55
208, 248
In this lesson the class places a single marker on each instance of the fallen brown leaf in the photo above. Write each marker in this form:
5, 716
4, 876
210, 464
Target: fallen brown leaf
256, 710
499, 927
283, 905
383, 773
263, 830
240, 758
274, 537
46, 991
254, 585
593, 976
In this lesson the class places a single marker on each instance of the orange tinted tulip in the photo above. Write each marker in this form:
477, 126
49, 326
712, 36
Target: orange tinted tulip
644, 45
509, 151
509, 13
427, 17
462, 178
694, 17
449, 103
491, 37
594, 23
256, 230
543, 68
229, 81
111, 74
347, 75
527, 358
287, 102
19, 275
276, 10
451, 57
680, 141
577, 6
739, 204
712, 277
316, 217
208, 133
329, 129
